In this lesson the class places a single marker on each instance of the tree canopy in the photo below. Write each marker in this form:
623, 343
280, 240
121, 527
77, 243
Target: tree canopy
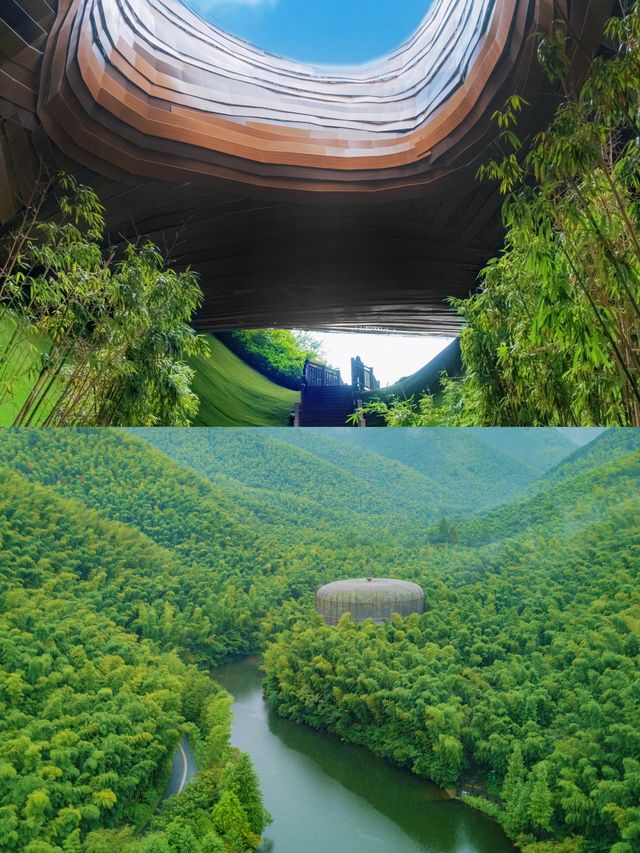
278, 353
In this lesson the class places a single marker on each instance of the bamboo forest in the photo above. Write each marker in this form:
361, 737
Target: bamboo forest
139, 567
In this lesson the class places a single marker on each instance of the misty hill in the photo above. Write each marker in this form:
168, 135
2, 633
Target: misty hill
474, 473
571, 496
609, 445
537, 449
432, 472
258, 462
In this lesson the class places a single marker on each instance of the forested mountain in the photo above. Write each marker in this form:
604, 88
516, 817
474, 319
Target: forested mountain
430, 472
93, 696
126, 572
539, 449
489, 475
476, 473
610, 445
339, 481
571, 497
523, 672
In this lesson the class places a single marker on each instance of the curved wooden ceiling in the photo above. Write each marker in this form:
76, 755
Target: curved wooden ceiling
148, 85
303, 196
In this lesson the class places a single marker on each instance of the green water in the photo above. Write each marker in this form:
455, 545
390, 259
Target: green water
330, 797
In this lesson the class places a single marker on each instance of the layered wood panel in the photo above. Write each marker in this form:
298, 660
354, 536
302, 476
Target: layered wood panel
335, 197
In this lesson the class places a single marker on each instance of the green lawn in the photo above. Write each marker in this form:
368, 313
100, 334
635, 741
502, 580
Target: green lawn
233, 394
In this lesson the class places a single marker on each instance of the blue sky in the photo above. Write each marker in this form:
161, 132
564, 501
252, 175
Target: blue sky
318, 31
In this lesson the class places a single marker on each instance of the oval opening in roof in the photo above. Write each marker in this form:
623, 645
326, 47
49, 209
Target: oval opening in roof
321, 32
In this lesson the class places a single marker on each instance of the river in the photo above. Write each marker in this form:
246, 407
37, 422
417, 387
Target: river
327, 796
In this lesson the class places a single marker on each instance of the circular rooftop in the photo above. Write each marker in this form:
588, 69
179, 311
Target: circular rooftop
368, 598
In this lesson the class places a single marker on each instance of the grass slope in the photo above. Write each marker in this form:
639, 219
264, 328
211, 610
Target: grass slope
233, 394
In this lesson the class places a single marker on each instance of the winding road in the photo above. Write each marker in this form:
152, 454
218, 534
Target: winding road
183, 769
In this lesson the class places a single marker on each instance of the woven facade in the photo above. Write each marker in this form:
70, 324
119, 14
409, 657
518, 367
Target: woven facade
375, 598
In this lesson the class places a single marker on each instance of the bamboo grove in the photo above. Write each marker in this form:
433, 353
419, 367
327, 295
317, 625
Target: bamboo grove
88, 337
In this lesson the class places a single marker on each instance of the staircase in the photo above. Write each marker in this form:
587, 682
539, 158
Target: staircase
326, 405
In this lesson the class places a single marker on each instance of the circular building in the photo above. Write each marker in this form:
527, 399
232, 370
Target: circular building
368, 598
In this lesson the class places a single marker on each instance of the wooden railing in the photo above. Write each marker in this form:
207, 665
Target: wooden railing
319, 374
363, 377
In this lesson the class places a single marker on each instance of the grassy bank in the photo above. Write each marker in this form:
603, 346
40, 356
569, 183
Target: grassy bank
233, 394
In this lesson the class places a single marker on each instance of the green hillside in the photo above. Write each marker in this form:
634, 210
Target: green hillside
209, 527
290, 468
475, 474
233, 394
383, 472
96, 630
523, 672
609, 446
541, 450
567, 504
227, 531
